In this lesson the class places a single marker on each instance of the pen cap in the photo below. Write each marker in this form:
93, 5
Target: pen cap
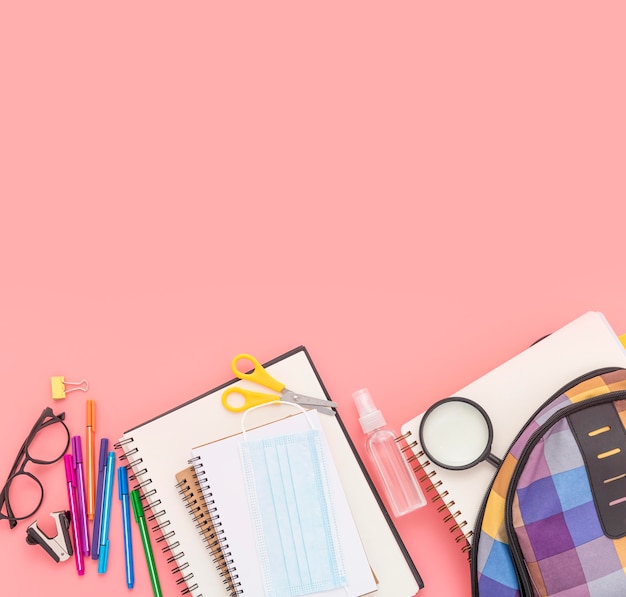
104, 450
369, 416
103, 558
77, 450
135, 500
91, 413
122, 481
69, 466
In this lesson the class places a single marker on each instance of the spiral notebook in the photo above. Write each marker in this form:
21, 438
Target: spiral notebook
191, 493
510, 394
220, 471
160, 448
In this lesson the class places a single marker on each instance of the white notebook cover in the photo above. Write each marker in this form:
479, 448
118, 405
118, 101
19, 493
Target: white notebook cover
510, 394
161, 447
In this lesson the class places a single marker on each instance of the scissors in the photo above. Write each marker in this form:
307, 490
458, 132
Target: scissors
260, 376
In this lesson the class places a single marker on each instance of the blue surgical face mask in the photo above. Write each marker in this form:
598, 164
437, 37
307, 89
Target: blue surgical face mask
292, 514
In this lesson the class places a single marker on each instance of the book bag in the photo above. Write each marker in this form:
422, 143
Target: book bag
553, 522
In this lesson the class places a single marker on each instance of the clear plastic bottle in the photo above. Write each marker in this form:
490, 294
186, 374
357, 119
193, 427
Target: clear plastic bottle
400, 485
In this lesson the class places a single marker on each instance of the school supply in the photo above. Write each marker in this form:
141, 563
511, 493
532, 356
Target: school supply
456, 433
554, 520
160, 448
46, 443
189, 489
105, 523
97, 517
510, 394
274, 490
73, 504
81, 497
122, 484
261, 377
60, 390
140, 519
58, 547
401, 488
90, 470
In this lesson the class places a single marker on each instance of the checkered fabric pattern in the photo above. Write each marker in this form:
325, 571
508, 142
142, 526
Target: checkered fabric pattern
555, 520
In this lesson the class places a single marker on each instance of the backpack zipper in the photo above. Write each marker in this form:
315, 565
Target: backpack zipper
481, 510
518, 561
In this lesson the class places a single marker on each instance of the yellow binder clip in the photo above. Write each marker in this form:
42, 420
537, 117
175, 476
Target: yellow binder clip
59, 389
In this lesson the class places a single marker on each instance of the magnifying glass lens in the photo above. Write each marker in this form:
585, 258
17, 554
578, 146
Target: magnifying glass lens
455, 434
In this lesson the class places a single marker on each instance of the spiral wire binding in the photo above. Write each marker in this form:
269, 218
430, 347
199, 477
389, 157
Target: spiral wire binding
215, 540
408, 444
171, 546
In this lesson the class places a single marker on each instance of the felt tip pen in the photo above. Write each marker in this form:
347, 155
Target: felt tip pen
97, 517
140, 518
71, 496
122, 486
77, 455
90, 470
107, 496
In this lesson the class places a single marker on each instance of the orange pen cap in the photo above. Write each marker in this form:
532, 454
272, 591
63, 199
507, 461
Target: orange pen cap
91, 413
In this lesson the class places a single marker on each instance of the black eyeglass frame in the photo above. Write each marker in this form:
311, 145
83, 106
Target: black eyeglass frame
46, 418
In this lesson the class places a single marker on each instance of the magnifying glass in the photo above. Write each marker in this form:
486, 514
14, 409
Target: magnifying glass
456, 433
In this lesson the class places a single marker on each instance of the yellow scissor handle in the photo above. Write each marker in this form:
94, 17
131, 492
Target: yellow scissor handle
258, 374
250, 399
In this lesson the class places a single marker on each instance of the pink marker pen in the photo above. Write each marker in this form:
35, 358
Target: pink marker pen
71, 495
79, 476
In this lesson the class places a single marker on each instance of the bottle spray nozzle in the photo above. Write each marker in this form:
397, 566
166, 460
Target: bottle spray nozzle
369, 416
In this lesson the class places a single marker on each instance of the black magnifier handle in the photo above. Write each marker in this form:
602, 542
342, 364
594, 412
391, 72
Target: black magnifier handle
493, 459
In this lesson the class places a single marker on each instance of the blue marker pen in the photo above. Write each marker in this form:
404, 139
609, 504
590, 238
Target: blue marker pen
122, 485
103, 557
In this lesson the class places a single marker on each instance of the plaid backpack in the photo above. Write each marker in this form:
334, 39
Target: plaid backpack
553, 522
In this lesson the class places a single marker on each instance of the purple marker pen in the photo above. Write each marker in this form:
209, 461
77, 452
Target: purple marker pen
97, 516
77, 456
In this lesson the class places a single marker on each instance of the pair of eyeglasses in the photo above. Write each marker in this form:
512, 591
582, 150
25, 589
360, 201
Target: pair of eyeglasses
47, 442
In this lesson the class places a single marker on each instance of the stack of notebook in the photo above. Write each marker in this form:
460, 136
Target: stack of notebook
159, 453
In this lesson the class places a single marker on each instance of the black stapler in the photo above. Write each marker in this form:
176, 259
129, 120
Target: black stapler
58, 547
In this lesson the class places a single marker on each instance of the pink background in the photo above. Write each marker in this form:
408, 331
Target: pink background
415, 191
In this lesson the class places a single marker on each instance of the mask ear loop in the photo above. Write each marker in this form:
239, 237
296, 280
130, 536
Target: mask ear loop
243, 418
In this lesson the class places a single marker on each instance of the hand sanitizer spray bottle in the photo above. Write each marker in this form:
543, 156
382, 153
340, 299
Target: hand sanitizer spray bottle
400, 485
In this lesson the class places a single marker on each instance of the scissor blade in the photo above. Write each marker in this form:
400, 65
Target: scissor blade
320, 404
